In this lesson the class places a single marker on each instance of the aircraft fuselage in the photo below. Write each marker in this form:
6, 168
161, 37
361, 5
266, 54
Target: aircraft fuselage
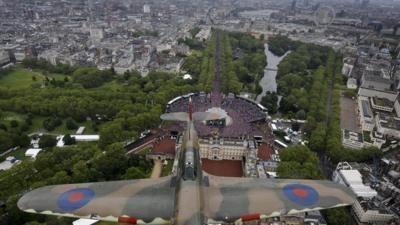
189, 191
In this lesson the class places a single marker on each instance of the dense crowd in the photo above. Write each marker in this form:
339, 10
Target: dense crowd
244, 113
249, 111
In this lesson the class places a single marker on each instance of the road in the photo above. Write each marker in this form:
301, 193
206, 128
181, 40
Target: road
216, 97
156, 173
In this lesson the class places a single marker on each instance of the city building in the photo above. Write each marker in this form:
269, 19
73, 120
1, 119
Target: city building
146, 8
366, 212
366, 115
9, 163
4, 58
346, 175
372, 206
228, 149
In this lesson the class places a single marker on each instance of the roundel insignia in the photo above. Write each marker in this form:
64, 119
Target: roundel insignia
75, 198
301, 194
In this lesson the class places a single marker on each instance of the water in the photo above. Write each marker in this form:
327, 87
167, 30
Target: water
268, 82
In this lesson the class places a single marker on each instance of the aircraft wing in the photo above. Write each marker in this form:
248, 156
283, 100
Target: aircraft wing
131, 201
233, 199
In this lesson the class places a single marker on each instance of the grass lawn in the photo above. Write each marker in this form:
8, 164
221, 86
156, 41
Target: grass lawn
8, 116
62, 129
88, 127
367, 136
167, 169
22, 78
112, 85
37, 123
58, 76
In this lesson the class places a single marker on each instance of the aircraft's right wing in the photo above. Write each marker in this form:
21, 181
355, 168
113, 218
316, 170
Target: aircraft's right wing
232, 199
128, 201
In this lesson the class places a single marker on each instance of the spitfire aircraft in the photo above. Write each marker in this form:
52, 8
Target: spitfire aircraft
191, 197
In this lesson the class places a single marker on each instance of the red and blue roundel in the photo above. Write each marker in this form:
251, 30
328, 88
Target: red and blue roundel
301, 194
75, 198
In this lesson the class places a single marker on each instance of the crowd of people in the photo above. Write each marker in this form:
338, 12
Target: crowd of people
201, 102
244, 114
249, 111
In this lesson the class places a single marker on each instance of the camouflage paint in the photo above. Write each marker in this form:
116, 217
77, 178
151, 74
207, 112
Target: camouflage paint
192, 197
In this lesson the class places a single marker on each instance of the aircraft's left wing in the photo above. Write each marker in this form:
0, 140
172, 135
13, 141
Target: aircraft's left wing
132, 201
234, 199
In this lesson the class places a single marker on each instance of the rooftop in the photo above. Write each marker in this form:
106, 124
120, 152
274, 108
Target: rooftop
389, 120
367, 112
264, 151
226, 168
353, 179
164, 146
384, 102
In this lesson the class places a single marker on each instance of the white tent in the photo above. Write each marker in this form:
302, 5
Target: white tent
84, 222
32, 152
80, 130
93, 137
60, 142
187, 77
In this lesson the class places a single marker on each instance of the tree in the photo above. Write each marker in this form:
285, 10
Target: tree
51, 123
270, 101
47, 141
60, 177
14, 123
338, 216
91, 77
112, 163
279, 45
301, 114
81, 172
317, 138
15, 216
45, 161
133, 173
68, 140
70, 124
299, 162
194, 31
113, 132
22, 140
5, 141
29, 118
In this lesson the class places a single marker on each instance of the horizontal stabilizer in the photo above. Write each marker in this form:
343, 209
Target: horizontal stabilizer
197, 116
204, 116
177, 116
